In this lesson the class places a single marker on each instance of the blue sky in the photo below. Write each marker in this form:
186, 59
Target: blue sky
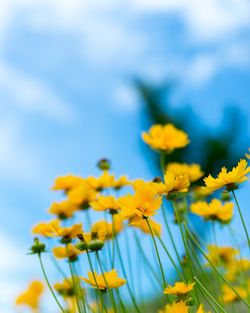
67, 100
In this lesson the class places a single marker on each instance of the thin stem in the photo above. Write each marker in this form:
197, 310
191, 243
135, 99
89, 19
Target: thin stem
99, 290
106, 283
169, 256
150, 267
113, 242
47, 281
213, 267
157, 254
125, 276
74, 286
170, 235
242, 219
209, 294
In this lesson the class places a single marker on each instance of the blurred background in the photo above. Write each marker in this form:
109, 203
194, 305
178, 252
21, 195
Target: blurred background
80, 80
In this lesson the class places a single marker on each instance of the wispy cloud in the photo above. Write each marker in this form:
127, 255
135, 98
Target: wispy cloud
30, 95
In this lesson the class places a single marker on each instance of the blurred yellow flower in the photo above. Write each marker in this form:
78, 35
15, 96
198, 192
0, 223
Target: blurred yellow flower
174, 184
235, 267
215, 210
66, 287
144, 203
229, 296
193, 171
107, 228
165, 138
99, 280
120, 182
31, 297
66, 252
82, 195
158, 187
67, 182
105, 203
230, 179
64, 209
201, 309
106, 180
221, 255
143, 226
176, 307
179, 289
54, 229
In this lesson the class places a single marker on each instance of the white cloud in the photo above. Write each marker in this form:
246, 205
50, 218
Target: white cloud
31, 95
126, 98
16, 159
207, 19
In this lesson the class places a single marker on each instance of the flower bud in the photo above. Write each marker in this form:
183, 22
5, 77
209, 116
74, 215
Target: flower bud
81, 245
95, 245
38, 247
225, 196
104, 164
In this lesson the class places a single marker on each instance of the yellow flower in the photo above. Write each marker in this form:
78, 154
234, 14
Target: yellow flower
105, 203
201, 309
221, 255
54, 229
31, 297
63, 209
66, 182
144, 203
120, 182
158, 187
230, 179
107, 228
235, 267
201, 192
179, 289
193, 171
104, 181
176, 307
82, 195
229, 296
215, 210
143, 226
64, 252
99, 280
66, 287
175, 184
165, 138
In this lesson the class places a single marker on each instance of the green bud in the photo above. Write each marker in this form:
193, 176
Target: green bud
95, 245
81, 245
66, 240
104, 164
225, 196
38, 247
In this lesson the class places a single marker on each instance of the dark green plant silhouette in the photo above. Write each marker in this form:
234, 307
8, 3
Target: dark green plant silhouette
210, 147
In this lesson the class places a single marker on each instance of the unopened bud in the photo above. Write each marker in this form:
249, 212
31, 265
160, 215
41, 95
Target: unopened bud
104, 164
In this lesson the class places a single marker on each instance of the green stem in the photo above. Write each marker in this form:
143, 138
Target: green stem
113, 242
242, 219
106, 283
125, 276
170, 235
170, 258
47, 281
74, 283
184, 239
99, 290
209, 294
150, 267
157, 254
213, 267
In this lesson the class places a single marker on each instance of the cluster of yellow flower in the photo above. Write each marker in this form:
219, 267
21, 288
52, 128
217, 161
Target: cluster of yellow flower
220, 280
